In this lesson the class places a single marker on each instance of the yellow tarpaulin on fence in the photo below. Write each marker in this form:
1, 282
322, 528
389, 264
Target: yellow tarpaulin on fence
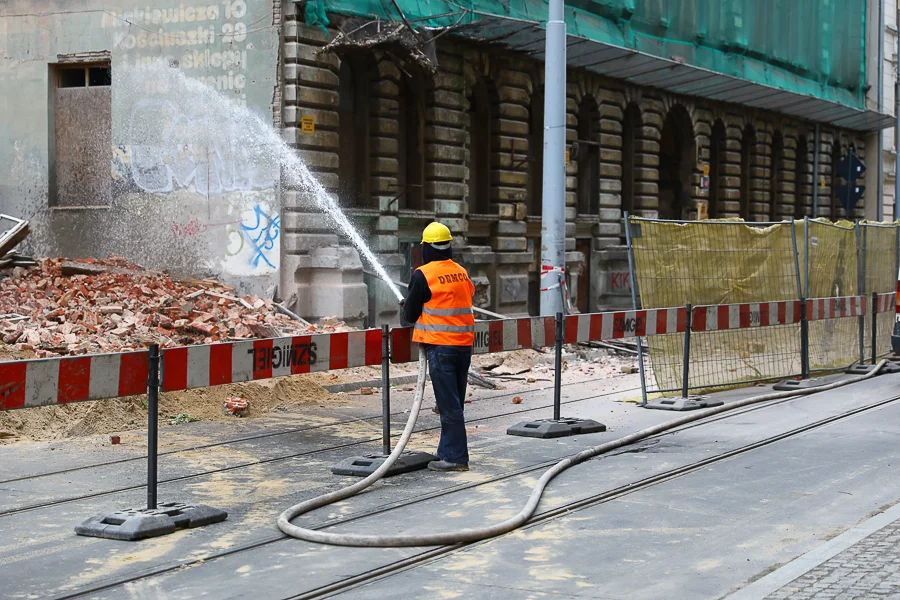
729, 262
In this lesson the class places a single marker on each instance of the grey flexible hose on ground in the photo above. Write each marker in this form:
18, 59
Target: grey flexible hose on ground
474, 535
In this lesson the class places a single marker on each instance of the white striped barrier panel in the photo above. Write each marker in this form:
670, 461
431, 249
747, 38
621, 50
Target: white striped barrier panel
765, 314
887, 302
191, 367
505, 335
47, 381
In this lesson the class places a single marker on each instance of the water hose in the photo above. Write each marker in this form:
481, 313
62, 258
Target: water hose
482, 533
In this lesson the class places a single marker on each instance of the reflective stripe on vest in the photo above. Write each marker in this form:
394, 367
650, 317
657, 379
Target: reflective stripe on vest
445, 328
447, 318
447, 312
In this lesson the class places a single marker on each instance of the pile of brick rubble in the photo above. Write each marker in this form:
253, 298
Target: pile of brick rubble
92, 306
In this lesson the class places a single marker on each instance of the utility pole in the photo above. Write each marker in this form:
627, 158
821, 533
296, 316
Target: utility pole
553, 216
897, 131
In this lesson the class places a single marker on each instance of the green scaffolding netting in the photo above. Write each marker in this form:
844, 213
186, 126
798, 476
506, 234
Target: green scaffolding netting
810, 47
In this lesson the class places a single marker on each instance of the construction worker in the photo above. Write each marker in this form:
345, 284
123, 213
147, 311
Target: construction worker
439, 303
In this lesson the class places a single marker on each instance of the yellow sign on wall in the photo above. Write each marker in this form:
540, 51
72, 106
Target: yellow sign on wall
706, 170
567, 157
308, 125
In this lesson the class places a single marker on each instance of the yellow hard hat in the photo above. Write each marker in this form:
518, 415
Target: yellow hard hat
436, 233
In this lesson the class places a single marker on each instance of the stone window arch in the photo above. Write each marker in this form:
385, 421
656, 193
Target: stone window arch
588, 157
411, 142
354, 130
748, 161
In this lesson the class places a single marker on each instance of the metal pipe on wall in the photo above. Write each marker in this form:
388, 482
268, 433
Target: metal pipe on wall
553, 217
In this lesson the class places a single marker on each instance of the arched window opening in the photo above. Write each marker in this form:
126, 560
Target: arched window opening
631, 128
411, 144
353, 131
479, 162
837, 209
716, 166
775, 175
748, 161
536, 154
801, 166
588, 157
677, 158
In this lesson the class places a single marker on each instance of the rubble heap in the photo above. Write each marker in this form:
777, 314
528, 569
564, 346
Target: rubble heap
94, 306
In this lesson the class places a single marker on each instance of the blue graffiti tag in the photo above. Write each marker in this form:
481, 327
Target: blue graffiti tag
262, 235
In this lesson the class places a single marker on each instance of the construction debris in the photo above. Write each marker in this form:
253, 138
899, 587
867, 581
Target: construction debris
93, 306
15, 233
237, 407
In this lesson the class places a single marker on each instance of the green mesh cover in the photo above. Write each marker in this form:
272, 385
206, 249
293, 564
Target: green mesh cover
810, 47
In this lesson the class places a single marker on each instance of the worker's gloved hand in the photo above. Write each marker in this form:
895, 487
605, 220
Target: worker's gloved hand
403, 303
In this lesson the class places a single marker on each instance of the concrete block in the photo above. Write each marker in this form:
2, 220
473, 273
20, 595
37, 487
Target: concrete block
440, 153
303, 243
514, 111
314, 97
446, 135
508, 194
506, 211
457, 226
289, 115
511, 127
610, 214
606, 229
387, 223
509, 178
509, 244
513, 288
290, 30
450, 207
445, 189
320, 140
509, 228
384, 146
345, 258
384, 243
319, 160
382, 165
434, 170
437, 115
482, 297
449, 99
294, 221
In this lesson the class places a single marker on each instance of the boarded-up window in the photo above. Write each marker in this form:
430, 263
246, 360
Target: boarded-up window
81, 136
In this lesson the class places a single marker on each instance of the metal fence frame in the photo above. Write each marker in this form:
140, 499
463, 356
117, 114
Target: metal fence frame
867, 282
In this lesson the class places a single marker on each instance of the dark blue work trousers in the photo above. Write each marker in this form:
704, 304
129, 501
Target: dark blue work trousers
449, 368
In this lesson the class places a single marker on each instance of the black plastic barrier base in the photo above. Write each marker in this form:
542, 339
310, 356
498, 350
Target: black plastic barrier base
363, 466
681, 404
554, 428
887, 369
798, 384
133, 524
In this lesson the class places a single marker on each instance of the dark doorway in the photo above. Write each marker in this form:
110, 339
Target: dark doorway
677, 152
583, 301
480, 136
353, 130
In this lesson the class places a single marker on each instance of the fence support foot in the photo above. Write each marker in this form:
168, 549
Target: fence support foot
555, 428
363, 466
888, 368
682, 404
133, 524
798, 384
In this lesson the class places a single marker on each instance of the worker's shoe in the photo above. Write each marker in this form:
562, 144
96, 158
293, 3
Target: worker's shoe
443, 465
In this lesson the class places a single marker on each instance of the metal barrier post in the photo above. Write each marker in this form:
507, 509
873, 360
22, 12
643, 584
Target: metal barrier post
874, 327
557, 360
686, 369
861, 290
634, 302
152, 425
385, 389
157, 519
409, 460
557, 426
804, 340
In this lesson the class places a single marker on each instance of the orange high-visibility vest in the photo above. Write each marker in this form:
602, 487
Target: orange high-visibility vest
447, 319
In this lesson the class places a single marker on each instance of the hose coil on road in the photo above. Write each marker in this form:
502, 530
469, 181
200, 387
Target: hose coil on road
522, 517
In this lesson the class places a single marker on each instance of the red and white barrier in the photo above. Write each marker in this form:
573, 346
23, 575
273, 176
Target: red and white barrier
741, 316
819, 309
204, 366
887, 302
43, 382
538, 332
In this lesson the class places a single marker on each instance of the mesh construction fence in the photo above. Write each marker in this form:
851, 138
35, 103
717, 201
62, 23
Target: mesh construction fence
732, 262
